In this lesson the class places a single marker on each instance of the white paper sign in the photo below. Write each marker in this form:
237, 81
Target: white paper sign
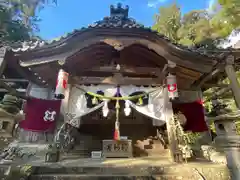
96, 154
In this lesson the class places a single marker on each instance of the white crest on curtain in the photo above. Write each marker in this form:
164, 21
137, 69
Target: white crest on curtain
155, 107
78, 103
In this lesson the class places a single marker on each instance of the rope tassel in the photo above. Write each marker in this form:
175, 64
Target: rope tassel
116, 136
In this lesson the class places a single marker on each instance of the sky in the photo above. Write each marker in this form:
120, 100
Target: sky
67, 15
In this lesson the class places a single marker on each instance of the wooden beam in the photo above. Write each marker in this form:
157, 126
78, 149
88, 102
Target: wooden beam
12, 91
229, 116
14, 80
19, 90
208, 85
207, 77
116, 80
169, 117
3, 60
125, 69
219, 93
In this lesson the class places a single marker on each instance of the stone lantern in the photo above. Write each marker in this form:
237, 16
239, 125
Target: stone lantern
228, 140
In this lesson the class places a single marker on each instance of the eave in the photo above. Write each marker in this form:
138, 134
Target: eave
66, 47
95, 43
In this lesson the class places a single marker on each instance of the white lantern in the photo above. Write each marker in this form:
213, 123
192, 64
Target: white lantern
61, 86
150, 104
105, 109
172, 86
127, 109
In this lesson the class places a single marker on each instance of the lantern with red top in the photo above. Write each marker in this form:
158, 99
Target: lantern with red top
61, 86
172, 86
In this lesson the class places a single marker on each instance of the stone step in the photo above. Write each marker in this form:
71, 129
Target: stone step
131, 169
173, 172
115, 177
218, 171
157, 148
96, 170
3, 169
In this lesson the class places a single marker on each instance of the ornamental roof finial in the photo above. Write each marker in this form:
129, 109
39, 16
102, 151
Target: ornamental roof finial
119, 10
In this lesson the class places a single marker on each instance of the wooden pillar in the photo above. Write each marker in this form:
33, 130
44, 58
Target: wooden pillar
3, 60
169, 117
65, 103
234, 84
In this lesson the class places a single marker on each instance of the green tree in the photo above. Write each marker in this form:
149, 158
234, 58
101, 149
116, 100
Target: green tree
190, 29
18, 19
226, 17
10, 29
195, 28
200, 27
168, 21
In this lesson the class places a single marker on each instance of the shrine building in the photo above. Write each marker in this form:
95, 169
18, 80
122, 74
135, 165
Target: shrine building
116, 79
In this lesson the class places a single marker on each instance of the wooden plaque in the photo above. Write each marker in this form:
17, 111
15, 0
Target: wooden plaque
121, 148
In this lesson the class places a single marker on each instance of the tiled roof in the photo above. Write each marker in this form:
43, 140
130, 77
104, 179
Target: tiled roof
107, 22
117, 21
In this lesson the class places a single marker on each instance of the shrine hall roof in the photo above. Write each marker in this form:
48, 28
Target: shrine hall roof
118, 19
38, 60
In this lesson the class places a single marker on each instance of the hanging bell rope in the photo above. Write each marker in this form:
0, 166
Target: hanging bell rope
117, 130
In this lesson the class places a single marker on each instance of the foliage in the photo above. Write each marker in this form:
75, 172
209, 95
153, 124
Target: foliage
168, 21
227, 16
19, 172
18, 20
201, 28
195, 28
198, 27
11, 29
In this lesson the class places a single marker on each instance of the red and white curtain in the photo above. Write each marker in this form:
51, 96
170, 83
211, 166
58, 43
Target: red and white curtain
40, 115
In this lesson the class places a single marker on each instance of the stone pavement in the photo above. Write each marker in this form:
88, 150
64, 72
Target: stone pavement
131, 168
71, 167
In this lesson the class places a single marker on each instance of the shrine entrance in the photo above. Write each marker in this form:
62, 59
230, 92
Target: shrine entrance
115, 54
136, 128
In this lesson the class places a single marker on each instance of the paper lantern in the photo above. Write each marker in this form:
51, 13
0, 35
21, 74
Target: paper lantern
105, 109
61, 86
172, 86
127, 109
94, 101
